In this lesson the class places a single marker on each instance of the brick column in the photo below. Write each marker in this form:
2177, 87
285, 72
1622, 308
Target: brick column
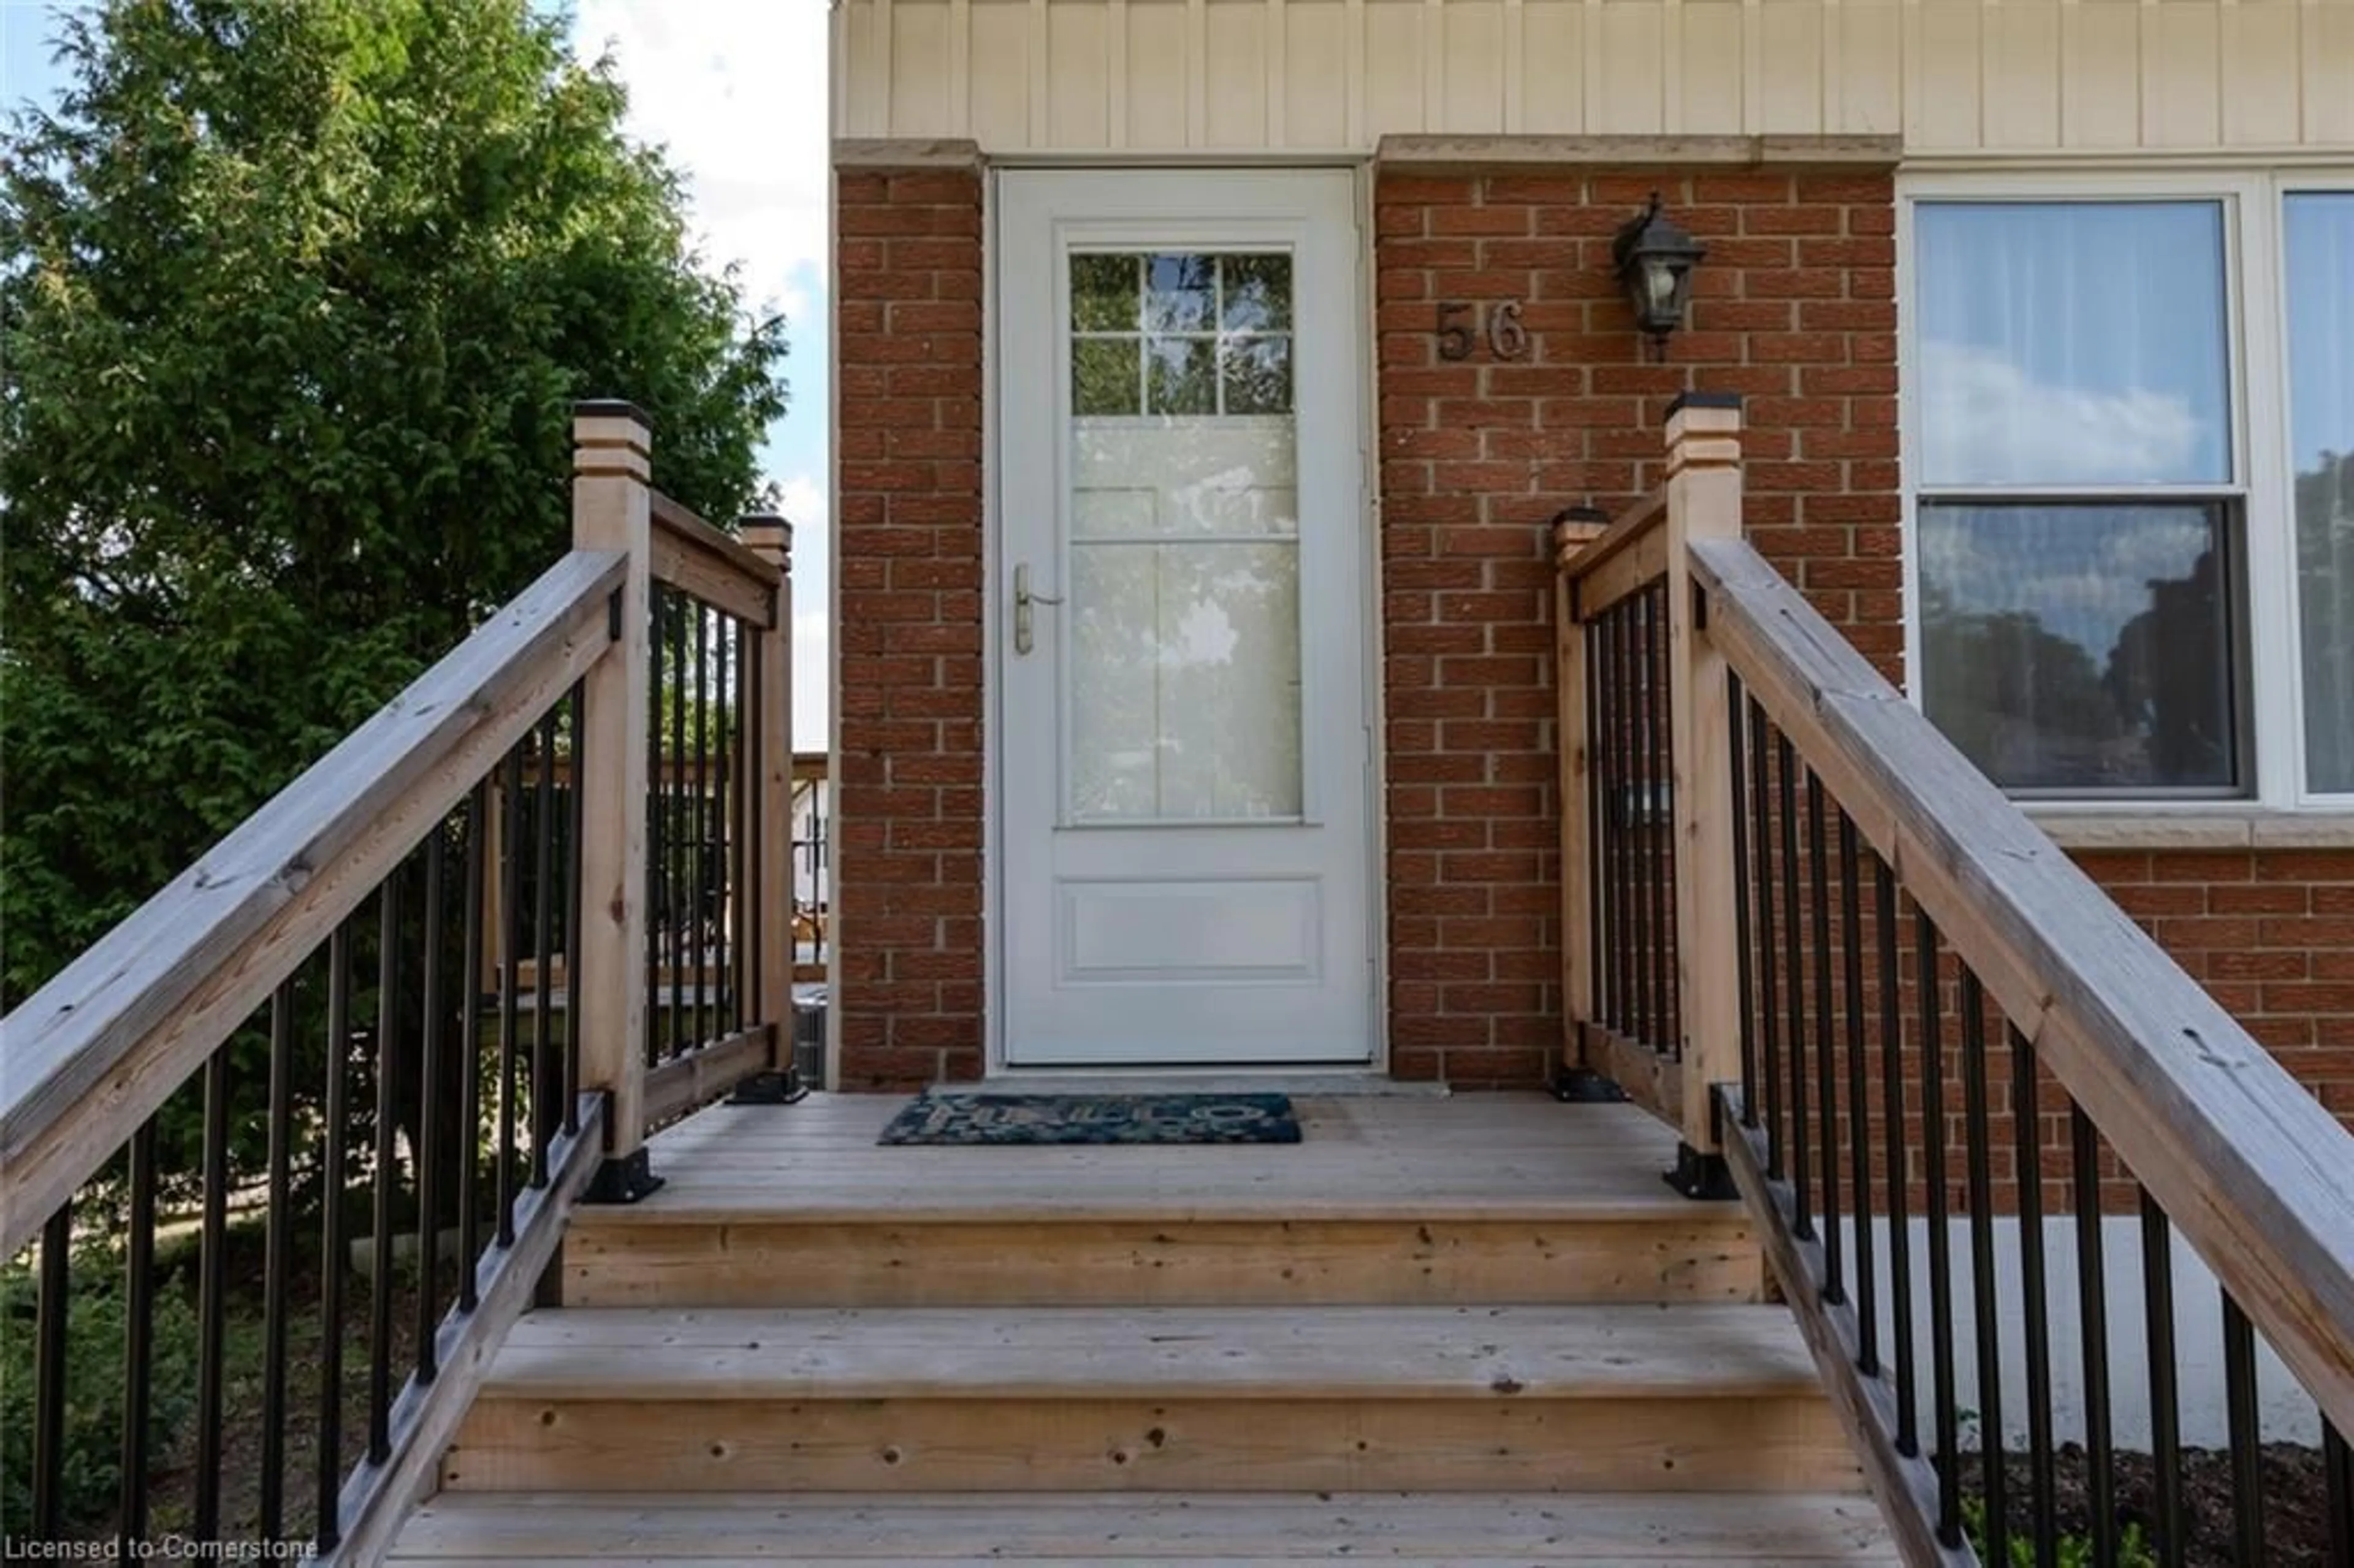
907, 873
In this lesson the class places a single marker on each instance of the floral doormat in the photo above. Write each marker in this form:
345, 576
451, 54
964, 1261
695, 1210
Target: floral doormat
1095, 1119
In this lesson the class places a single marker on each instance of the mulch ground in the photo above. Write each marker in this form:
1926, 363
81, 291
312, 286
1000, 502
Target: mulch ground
2296, 1503
174, 1481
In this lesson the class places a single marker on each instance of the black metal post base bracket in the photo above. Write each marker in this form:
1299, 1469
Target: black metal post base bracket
769, 1088
622, 1181
1704, 1178
1584, 1086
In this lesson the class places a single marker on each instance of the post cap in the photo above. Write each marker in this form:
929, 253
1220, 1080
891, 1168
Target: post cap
1704, 400
766, 531
1574, 527
610, 409
612, 438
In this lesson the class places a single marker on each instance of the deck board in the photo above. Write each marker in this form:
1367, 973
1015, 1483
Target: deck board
1210, 1531
1231, 1353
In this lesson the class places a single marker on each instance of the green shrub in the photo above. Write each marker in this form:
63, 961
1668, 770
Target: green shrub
2075, 1551
96, 1313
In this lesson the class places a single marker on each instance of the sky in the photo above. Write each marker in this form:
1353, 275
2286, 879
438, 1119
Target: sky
736, 90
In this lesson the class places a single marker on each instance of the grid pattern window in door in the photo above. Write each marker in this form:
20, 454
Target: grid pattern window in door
1184, 658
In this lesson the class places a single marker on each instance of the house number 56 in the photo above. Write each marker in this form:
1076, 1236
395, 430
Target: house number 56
1459, 329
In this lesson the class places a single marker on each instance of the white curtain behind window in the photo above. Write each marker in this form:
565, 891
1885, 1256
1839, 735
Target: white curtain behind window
2319, 236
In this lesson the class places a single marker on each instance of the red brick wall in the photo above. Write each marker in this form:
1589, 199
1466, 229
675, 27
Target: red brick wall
2269, 932
907, 869
1794, 308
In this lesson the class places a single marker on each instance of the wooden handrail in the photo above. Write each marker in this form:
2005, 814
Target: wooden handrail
1625, 557
714, 566
2246, 1163
92, 1055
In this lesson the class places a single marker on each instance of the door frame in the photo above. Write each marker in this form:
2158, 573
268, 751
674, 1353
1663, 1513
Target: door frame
994, 630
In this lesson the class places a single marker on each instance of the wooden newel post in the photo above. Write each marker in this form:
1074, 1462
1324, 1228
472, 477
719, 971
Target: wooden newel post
612, 510
768, 902
1703, 502
1573, 530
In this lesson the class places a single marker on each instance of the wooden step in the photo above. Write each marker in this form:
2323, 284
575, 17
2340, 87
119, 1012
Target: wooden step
1694, 1253
1483, 1200
1206, 1530
1682, 1397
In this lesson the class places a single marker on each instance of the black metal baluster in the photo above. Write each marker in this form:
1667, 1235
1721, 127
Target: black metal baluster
53, 1369
1826, 1050
723, 801
2093, 1314
700, 881
1632, 820
429, 1109
502, 1174
212, 1290
1736, 704
1859, 1106
1947, 1413
1976, 1140
1628, 930
470, 1050
1659, 819
2246, 1436
2338, 1483
736, 783
138, 1337
2165, 1405
1637, 831
744, 929
1769, 1021
544, 1112
1626, 803
387, 1025
657, 830
574, 850
1597, 796
277, 1262
1801, 1150
754, 903
1899, 1167
336, 1114
1606, 792
2027, 1156
679, 873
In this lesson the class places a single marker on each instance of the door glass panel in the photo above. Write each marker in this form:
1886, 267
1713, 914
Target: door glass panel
1183, 521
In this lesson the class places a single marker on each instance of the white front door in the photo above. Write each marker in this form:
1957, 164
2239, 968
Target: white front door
1184, 724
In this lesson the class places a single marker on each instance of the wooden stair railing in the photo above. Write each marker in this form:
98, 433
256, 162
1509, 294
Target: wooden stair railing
344, 975
1969, 1103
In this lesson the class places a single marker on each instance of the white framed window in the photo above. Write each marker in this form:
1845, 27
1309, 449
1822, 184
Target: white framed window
2129, 438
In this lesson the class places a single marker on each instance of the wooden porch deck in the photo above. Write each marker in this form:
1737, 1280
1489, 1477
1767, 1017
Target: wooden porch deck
1483, 1157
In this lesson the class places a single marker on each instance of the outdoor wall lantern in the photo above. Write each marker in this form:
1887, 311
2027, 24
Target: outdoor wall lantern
1655, 257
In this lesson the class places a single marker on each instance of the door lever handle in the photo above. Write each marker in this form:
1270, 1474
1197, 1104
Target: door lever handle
1023, 599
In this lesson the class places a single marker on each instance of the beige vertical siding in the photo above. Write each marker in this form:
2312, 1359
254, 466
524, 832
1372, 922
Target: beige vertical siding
1950, 75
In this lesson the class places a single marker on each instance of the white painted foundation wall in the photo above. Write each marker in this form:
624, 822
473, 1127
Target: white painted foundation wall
2286, 1412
